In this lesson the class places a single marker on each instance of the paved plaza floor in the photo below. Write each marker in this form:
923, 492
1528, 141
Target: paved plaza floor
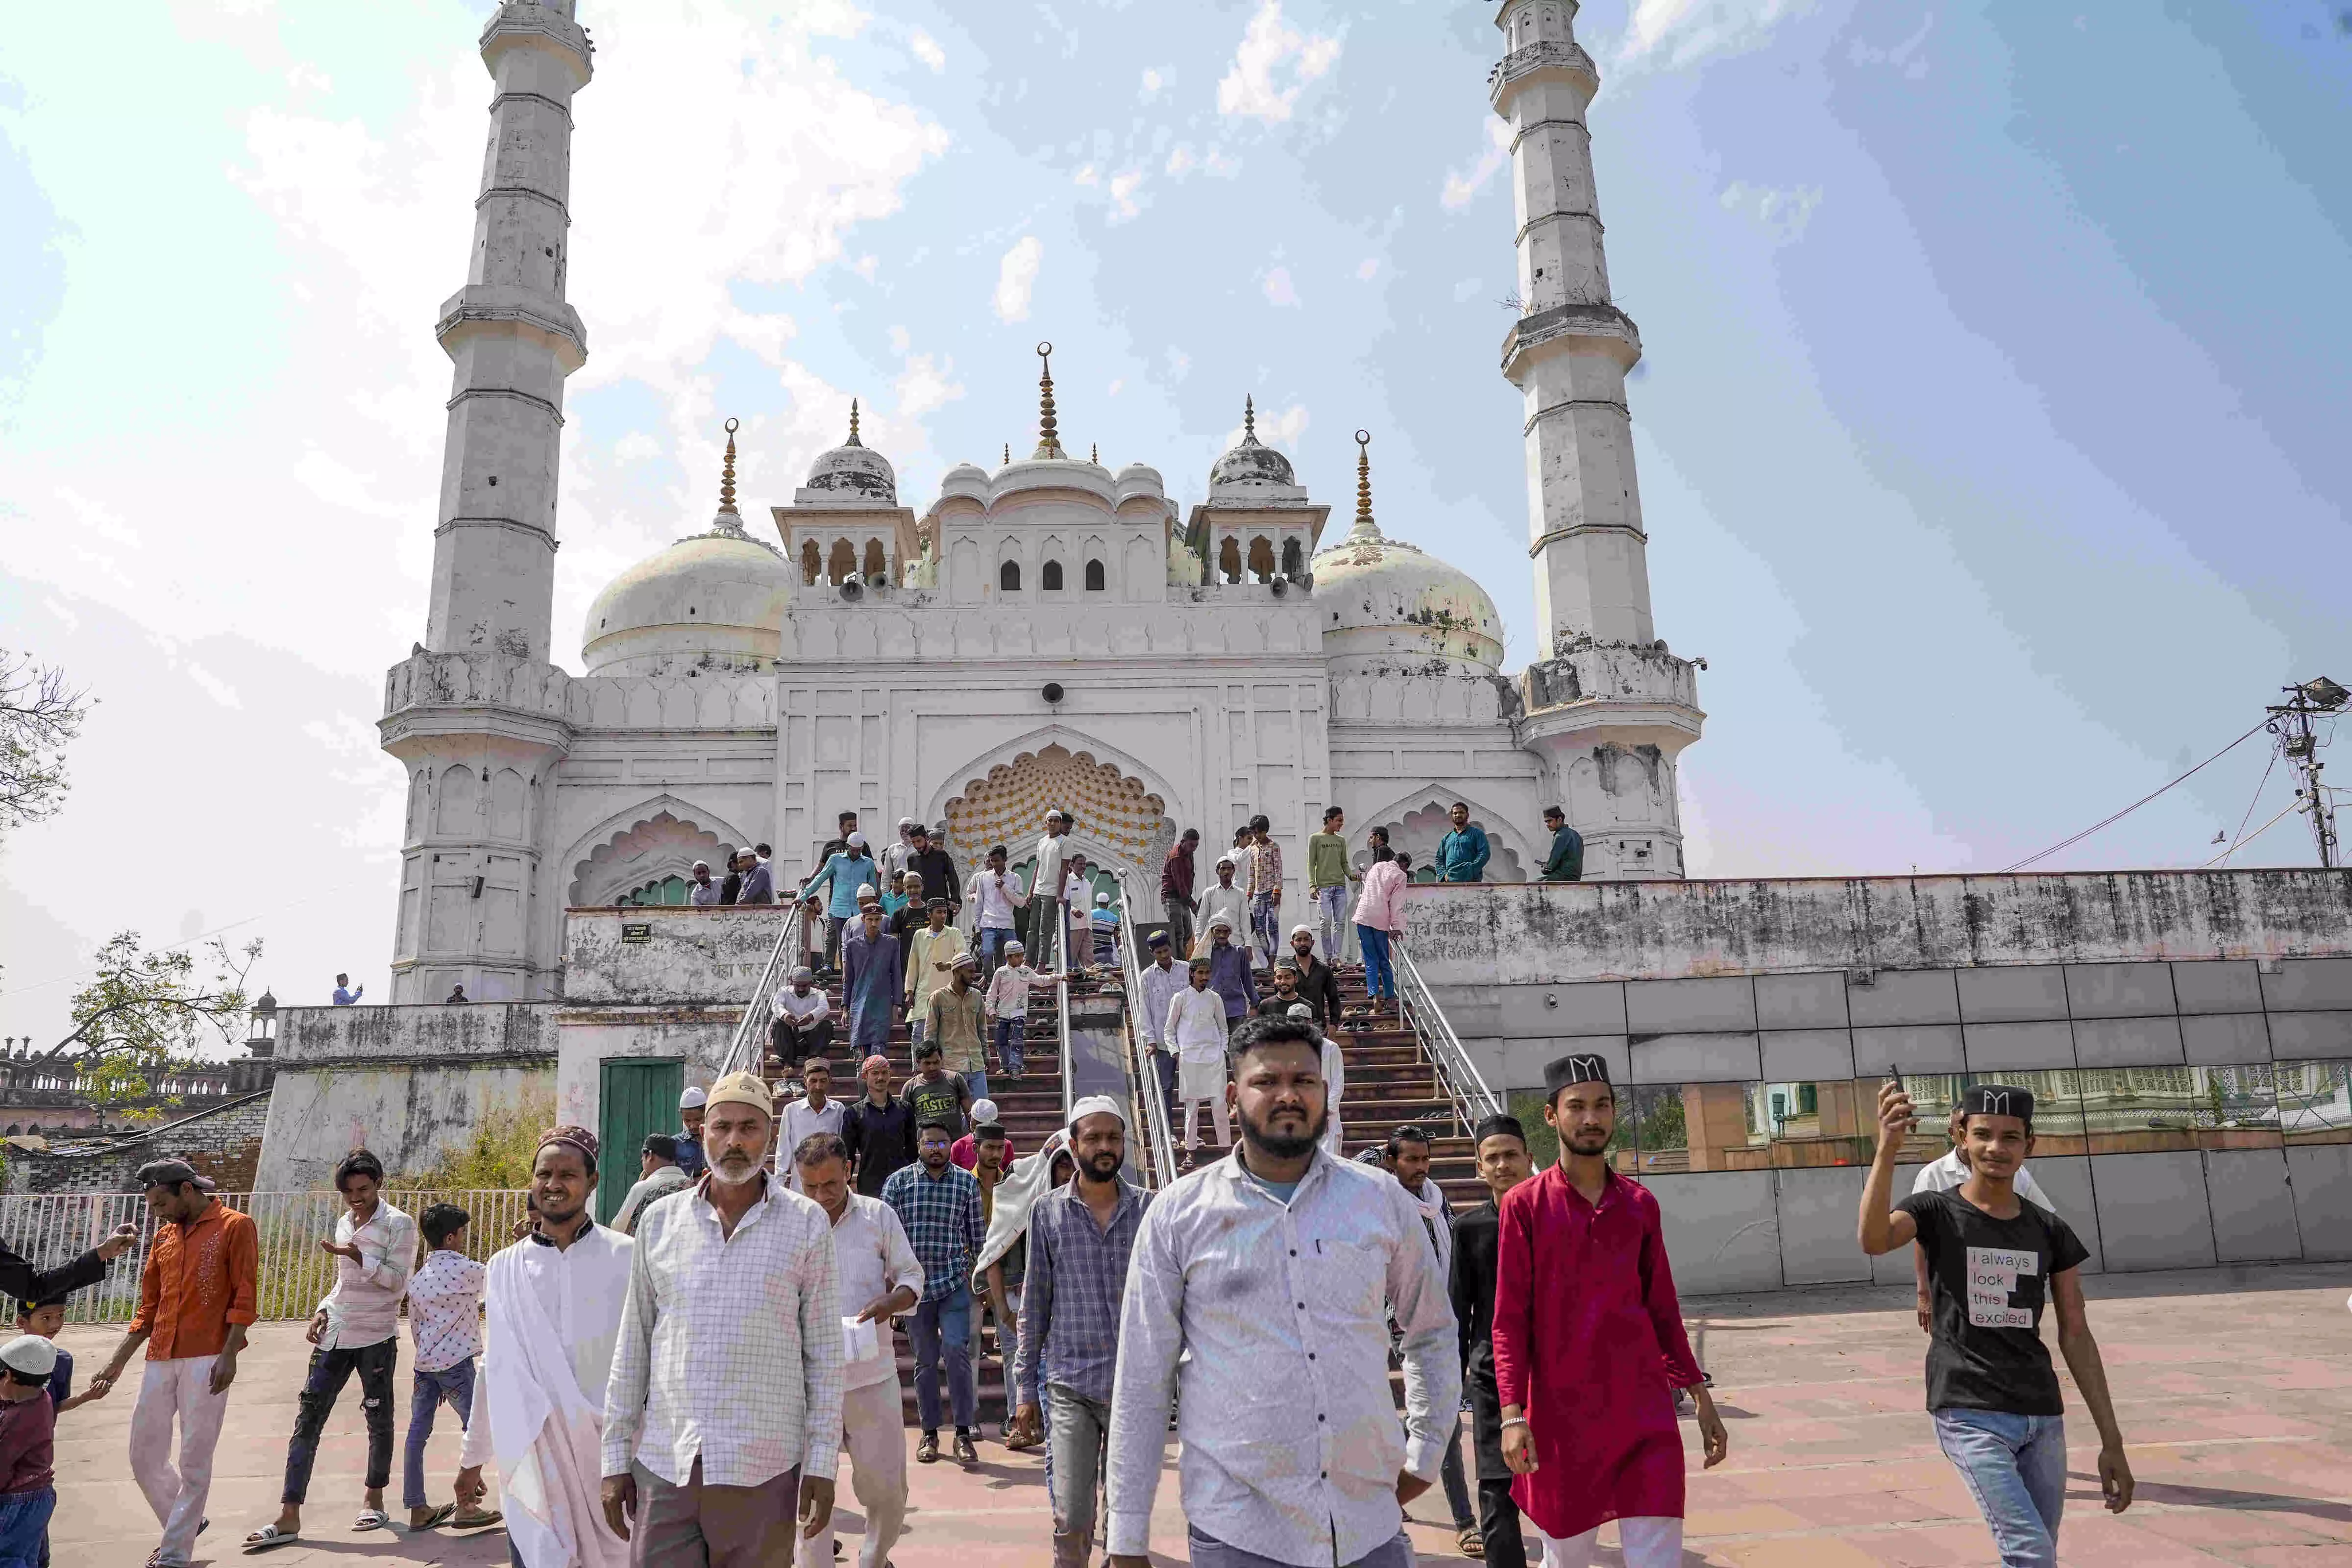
2234, 1389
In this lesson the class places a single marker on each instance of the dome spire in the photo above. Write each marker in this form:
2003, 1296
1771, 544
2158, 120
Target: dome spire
1249, 419
852, 440
1049, 442
1366, 529
728, 521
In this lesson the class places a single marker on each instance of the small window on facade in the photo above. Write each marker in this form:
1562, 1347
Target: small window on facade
1094, 576
1008, 577
1050, 579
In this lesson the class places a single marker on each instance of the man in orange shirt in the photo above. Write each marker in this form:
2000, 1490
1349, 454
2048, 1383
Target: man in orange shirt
197, 1296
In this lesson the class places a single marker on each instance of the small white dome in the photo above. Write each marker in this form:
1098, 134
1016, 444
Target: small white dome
715, 599
1253, 465
852, 471
1382, 597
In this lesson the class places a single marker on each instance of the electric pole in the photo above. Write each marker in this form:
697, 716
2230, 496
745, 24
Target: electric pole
2291, 723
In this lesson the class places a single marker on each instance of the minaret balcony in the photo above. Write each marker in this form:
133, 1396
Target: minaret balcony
1637, 692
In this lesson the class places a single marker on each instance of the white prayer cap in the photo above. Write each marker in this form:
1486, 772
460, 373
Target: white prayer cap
1224, 859
982, 1110
906, 822
1101, 899
1015, 947
1299, 1010
702, 866
865, 894
691, 1099
857, 841
1218, 923
1093, 1104
803, 974
29, 1356
1055, 816
1302, 928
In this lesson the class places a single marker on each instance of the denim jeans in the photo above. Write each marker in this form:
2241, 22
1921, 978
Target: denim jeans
1208, 1551
2016, 1468
1078, 1433
992, 947
1012, 1034
425, 1393
1380, 980
978, 1083
24, 1525
330, 1370
941, 1328
1332, 922
1265, 926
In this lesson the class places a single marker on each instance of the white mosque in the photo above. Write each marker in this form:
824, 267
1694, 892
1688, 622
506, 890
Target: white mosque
1049, 633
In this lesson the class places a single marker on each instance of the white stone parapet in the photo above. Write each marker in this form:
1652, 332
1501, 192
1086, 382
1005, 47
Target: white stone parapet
427, 690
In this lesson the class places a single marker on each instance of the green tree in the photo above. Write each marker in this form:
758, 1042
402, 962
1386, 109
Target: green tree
38, 714
497, 1154
143, 1018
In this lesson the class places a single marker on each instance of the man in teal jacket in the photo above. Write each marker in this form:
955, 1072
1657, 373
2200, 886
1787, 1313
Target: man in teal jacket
845, 870
1462, 854
1567, 861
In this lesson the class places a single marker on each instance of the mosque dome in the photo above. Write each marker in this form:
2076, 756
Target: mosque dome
1253, 465
1384, 598
852, 471
714, 599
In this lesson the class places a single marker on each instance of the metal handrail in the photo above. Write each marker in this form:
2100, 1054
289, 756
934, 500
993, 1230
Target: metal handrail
1158, 1135
747, 1026
1061, 945
1464, 1085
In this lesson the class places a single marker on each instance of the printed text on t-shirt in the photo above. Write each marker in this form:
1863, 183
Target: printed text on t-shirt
1992, 1280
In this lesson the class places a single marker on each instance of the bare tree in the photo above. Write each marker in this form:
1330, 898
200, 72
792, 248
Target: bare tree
38, 714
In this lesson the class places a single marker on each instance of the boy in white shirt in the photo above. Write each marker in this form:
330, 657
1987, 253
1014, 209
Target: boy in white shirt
445, 1315
1007, 1005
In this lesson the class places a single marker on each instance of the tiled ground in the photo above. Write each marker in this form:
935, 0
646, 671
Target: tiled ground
2235, 1391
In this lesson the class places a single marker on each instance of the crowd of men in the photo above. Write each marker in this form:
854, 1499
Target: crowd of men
685, 1385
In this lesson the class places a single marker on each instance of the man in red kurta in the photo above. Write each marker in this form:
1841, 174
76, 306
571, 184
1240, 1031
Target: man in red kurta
1589, 1343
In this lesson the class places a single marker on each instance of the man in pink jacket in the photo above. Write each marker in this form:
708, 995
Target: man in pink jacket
1380, 920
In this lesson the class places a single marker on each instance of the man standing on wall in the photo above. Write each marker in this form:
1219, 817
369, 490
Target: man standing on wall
1080, 1238
1327, 885
355, 1328
731, 889
1264, 890
938, 1203
1462, 854
553, 1300
1259, 1301
1502, 1154
704, 893
1566, 862
759, 883
1589, 1341
723, 1419
881, 1279
197, 1296
1177, 875
1994, 1260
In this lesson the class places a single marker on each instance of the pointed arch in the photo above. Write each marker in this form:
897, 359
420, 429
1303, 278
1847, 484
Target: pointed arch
1421, 810
1135, 836
656, 837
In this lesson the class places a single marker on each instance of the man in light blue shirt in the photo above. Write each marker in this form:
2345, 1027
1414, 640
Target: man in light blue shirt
344, 996
844, 872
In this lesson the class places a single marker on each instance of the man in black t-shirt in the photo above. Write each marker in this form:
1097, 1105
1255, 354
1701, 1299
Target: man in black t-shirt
1994, 1259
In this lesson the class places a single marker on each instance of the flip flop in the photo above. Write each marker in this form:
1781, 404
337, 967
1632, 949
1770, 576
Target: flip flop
372, 1519
439, 1517
269, 1537
476, 1520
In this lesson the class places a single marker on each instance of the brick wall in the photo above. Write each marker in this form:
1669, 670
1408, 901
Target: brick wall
224, 1143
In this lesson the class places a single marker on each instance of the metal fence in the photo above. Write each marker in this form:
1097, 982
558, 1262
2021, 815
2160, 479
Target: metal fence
50, 1228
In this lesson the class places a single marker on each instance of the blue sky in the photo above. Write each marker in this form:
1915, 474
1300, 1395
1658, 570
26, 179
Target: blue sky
1990, 432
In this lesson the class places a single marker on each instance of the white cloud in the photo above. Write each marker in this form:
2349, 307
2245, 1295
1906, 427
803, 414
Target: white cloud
1180, 161
1275, 428
927, 49
924, 386
1461, 185
1278, 288
1781, 214
1676, 33
1088, 175
1122, 194
214, 687
1154, 79
1017, 277
1368, 269
1116, 384
1910, 56
637, 447
1271, 50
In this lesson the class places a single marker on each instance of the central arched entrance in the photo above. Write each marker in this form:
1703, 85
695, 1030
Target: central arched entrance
1116, 817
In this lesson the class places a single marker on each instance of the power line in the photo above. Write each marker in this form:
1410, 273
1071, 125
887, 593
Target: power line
2109, 822
2240, 836
2257, 833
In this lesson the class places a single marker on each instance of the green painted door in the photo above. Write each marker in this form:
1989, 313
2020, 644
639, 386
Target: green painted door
637, 1095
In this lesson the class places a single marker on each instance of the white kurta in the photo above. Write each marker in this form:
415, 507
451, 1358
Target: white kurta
554, 1313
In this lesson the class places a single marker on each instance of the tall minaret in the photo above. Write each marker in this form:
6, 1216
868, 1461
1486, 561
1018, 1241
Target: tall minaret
1606, 705
513, 339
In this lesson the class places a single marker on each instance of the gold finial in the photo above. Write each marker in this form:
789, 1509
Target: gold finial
1049, 442
1365, 527
1008, 454
1249, 417
853, 441
726, 472
1094, 454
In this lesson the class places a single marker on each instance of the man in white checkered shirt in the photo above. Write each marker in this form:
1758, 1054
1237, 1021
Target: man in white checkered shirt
722, 1421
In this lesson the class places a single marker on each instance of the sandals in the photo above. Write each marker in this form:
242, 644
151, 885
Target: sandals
269, 1537
476, 1519
1469, 1542
372, 1519
435, 1519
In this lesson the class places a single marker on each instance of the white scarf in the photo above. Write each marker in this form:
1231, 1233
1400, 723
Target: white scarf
1017, 1192
548, 1438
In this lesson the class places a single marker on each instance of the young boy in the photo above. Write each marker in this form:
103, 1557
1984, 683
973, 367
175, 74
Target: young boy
1994, 1259
1008, 1006
29, 1425
445, 1312
45, 1317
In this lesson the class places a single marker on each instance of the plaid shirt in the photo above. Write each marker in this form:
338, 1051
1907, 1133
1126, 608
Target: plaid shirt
942, 1216
1264, 867
1069, 1304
